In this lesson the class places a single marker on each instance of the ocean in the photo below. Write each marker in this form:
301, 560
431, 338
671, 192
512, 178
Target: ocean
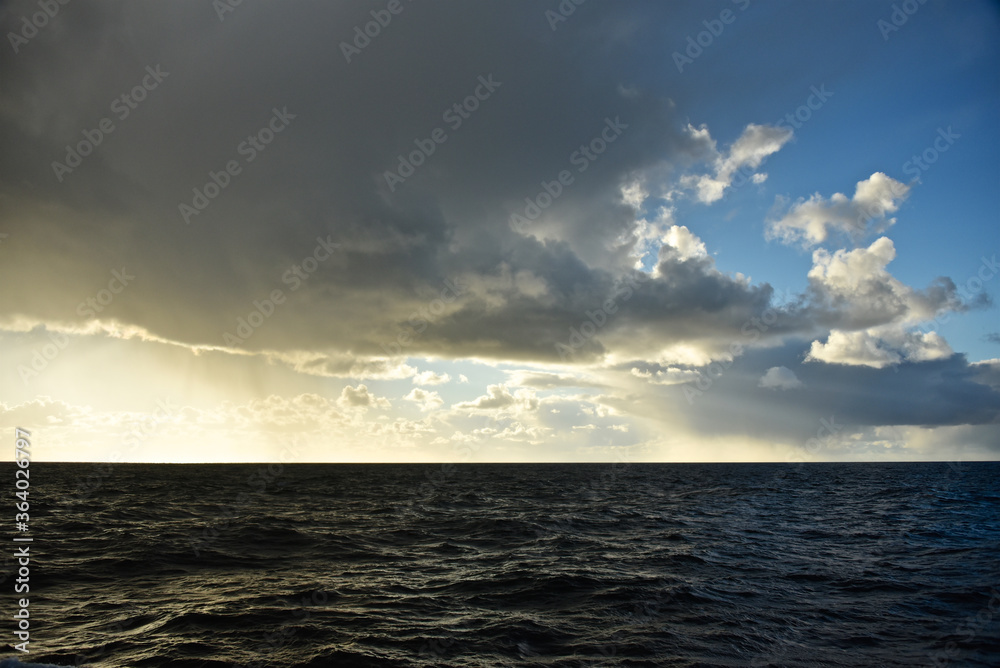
511, 565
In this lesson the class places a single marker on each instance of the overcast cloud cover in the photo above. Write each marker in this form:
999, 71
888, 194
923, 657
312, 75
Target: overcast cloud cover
647, 231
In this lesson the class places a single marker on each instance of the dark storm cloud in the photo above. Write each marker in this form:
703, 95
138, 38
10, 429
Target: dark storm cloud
948, 392
342, 127
988, 373
359, 259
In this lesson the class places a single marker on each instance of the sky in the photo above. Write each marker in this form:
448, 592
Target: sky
406, 231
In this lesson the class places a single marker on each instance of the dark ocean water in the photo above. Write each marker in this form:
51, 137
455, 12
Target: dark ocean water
514, 565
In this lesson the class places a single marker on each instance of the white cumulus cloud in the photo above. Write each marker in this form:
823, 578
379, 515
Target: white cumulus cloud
857, 287
669, 376
360, 397
747, 153
500, 397
879, 347
811, 221
425, 399
430, 378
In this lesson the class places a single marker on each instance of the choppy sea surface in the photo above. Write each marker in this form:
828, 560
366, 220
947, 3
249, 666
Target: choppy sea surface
513, 565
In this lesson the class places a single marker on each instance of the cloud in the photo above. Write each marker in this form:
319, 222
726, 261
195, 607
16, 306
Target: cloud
426, 400
859, 348
779, 378
669, 376
872, 316
500, 397
544, 380
852, 289
430, 378
810, 222
40, 412
343, 365
685, 245
255, 427
451, 278
514, 432
497, 396
648, 236
360, 397
922, 394
747, 153
879, 349
988, 372
303, 412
